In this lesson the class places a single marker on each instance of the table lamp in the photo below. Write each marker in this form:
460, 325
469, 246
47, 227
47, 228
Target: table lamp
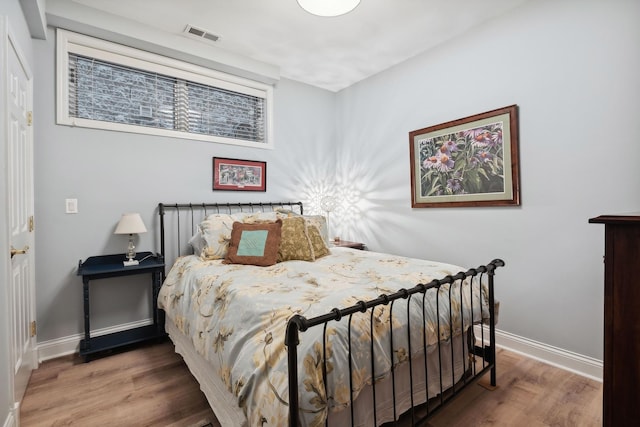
328, 204
130, 223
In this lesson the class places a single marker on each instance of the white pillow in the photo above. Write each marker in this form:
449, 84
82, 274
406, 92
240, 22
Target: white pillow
255, 217
216, 232
197, 242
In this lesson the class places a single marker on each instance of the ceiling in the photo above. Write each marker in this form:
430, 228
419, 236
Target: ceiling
331, 53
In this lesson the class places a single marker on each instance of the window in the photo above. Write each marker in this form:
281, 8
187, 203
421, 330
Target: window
108, 86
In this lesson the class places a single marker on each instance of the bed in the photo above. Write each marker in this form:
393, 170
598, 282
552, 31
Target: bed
348, 337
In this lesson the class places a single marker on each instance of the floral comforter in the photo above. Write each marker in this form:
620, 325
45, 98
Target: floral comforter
236, 317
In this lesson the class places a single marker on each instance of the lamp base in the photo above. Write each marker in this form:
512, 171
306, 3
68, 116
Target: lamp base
131, 262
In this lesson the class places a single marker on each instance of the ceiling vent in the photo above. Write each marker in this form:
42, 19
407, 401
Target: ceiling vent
200, 34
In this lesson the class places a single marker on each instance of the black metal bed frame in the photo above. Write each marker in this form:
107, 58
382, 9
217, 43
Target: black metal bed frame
482, 355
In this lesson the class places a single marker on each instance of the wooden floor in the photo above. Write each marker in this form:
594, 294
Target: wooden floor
146, 386
529, 393
151, 386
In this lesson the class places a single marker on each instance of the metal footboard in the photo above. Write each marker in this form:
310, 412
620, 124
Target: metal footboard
480, 352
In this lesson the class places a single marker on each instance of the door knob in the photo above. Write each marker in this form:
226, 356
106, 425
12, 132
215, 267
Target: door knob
22, 251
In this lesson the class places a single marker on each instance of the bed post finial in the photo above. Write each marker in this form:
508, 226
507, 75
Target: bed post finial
161, 214
291, 340
492, 319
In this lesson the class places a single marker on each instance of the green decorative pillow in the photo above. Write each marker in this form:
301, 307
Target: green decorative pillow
254, 244
318, 245
294, 243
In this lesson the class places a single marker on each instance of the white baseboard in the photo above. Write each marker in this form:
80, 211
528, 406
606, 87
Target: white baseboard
71, 344
10, 421
582, 365
12, 416
573, 362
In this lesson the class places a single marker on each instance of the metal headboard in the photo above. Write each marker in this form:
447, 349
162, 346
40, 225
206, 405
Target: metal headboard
180, 219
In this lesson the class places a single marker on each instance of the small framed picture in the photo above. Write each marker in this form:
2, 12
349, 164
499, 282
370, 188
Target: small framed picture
239, 175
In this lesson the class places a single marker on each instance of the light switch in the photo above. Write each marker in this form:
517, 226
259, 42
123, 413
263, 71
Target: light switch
71, 206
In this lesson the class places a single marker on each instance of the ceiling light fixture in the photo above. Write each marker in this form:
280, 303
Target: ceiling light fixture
328, 7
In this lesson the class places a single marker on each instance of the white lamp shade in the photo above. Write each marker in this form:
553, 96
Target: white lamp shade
130, 223
328, 203
328, 7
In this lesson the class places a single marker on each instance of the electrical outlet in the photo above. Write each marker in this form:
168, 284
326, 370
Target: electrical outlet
71, 206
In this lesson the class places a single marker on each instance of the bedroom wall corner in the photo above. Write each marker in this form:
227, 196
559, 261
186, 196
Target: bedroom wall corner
572, 69
89, 165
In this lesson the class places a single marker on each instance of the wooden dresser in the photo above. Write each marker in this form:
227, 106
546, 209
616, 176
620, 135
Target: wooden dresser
621, 376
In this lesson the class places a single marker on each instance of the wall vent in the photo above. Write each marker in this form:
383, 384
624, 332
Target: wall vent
200, 33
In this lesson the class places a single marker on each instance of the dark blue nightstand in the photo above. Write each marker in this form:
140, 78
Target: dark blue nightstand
105, 266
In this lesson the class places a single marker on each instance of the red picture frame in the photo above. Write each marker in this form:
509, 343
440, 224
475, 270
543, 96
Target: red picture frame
239, 175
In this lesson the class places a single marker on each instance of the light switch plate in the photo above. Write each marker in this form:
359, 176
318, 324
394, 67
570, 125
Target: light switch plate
71, 206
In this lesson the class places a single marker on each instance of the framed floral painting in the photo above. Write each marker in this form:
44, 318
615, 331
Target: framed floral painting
467, 162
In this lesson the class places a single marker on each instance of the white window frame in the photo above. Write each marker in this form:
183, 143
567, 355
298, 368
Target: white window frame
70, 42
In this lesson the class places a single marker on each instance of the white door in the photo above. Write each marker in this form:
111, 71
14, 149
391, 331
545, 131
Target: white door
19, 148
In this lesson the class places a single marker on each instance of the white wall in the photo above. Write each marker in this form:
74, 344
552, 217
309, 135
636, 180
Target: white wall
572, 67
113, 172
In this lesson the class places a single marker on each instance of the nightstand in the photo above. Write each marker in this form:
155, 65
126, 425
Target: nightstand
106, 266
347, 244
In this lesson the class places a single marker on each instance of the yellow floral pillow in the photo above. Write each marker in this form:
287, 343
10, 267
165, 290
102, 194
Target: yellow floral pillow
320, 222
318, 245
294, 241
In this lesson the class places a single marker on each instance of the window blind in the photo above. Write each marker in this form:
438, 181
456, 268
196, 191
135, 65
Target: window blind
115, 93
